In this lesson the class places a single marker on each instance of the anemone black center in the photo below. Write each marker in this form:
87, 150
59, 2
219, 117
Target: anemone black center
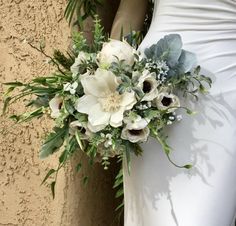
82, 129
147, 86
135, 132
60, 106
166, 101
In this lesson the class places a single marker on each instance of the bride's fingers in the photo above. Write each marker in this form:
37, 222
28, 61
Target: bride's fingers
130, 16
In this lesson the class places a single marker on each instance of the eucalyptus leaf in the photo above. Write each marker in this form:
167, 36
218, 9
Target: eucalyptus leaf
167, 49
187, 61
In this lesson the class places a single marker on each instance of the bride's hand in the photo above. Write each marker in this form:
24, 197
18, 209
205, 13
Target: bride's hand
130, 16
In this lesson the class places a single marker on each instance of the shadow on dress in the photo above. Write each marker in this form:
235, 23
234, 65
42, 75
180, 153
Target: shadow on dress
214, 114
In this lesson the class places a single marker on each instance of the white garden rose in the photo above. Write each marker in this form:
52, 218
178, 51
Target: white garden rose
167, 101
148, 84
55, 105
101, 102
82, 57
136, 130
114, 51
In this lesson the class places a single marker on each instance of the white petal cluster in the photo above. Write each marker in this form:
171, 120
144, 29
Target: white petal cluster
114, 51
71, 87
55, 105
167, 101
101, 102
136, 130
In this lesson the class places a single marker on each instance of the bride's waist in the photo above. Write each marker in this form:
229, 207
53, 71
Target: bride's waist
182, 23
193, 15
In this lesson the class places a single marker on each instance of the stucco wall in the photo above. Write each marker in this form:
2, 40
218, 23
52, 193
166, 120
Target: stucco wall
23, 202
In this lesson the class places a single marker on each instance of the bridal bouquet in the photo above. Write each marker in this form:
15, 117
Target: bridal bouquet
107, 98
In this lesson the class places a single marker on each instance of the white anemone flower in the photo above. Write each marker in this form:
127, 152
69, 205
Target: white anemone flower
71, 87
101, 102
148, 84
167, 101
136, 130
82, 57
114, 51
81, 126
55, 105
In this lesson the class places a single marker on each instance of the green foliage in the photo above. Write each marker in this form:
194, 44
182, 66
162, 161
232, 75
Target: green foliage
79, 42
98, 35
169, 49
82, 8
61, 59
53, 142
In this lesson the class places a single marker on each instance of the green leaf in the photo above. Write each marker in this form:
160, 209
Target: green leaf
53, 142
78, 167
85, 180
53, 188
64, 61
27, 116
77, 136
50, 172
127, 154
189, 166
13, 84
120, 193
6, 104
121, 206
69, 149
119, 179
187, 61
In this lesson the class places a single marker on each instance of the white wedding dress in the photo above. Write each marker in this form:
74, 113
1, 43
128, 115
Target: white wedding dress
156, 192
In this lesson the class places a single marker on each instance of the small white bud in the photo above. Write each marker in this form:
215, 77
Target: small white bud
169, 122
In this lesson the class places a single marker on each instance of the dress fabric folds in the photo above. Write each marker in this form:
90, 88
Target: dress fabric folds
156, 192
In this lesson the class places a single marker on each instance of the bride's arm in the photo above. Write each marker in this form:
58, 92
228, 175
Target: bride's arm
130, 16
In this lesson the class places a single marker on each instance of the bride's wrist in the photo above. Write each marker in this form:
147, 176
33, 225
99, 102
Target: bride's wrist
129, 17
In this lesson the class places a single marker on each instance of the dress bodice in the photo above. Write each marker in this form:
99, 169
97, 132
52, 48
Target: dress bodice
207, 27
199, 15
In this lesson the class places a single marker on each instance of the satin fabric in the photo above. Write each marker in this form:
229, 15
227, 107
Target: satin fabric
156, 192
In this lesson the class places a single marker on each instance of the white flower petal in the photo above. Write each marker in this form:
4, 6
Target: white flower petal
95, 129
84, 103
115, 49
151, 96
128, 100
67, 86
142, 137
98, 117
109, 78
117, 117
94, 86
74, 85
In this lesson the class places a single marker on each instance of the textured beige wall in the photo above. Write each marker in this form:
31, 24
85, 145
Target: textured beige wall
23, 202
